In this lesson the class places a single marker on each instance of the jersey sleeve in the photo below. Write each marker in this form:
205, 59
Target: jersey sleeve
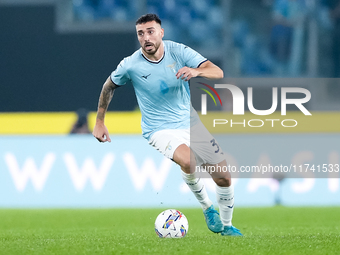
191, 57
120, 76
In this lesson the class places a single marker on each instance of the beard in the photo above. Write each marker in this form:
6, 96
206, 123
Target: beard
152, 50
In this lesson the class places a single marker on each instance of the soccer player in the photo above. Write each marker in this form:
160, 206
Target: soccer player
159, 72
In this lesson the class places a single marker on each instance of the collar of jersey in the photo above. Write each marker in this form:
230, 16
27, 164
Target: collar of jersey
154, 62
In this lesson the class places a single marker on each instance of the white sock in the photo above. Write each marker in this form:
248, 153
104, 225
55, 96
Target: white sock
225, 199
197, 187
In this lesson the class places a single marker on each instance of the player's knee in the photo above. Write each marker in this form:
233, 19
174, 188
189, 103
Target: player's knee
223, 182
185, 165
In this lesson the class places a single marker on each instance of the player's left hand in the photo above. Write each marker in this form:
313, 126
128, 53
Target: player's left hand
186, 73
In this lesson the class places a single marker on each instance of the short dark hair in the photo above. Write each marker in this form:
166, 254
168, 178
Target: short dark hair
147, 18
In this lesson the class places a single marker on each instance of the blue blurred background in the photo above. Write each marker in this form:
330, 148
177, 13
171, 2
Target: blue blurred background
58, 49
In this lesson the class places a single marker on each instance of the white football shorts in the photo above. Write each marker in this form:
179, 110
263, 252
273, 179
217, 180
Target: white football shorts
198, 138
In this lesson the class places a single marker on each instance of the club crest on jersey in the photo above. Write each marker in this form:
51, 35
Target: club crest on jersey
172, 67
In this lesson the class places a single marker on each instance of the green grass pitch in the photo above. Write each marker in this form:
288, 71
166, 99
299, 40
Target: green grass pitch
272, 230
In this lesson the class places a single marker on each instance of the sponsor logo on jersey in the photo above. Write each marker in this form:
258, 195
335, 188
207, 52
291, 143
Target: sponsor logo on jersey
146, 76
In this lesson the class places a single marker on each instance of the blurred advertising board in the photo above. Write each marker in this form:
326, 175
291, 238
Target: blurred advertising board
78, 171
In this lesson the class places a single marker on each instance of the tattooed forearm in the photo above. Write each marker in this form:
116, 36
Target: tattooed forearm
105, 99
100, 115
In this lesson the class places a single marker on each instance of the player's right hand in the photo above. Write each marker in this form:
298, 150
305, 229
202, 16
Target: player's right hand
101, 133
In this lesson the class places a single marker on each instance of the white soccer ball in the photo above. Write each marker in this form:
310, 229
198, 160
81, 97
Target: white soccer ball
171, 223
